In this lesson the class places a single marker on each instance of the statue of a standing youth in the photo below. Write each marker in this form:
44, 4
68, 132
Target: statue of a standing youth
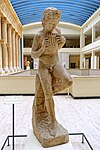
52, 77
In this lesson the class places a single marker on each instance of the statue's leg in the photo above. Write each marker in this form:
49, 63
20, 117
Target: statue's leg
38, 103
46, 82
62, 78
39, 94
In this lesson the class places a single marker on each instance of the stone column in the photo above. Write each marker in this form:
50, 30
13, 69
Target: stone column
84, 63
82, 39
17, 53
81, 60
13, 50
21, 52
5, 51
67, 61
92, 60
1, 69
19, 59
10, 48
98, 57
64, 59
95, 62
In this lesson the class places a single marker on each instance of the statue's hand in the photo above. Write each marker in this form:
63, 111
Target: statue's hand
46, 42
58, 39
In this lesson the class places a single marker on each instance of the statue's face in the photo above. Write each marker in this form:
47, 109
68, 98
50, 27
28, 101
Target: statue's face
50, 25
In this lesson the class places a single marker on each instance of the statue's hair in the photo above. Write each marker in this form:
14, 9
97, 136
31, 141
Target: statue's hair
50, 13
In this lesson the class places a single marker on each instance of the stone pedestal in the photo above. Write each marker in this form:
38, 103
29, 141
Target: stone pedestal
33, 143
42, 133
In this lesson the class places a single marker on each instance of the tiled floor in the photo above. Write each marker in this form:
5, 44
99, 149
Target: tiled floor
74, 115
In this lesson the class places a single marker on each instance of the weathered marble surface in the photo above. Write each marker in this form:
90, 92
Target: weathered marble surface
51, 78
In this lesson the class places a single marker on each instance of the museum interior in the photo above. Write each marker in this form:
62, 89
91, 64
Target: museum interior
77, 107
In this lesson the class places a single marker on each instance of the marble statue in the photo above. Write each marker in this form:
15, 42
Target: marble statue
51, 79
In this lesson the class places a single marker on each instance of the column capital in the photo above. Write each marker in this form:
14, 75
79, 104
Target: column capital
13, 30
9, 26
1, 15
93, 53
2, 41
16, 33
19, 36
4, 20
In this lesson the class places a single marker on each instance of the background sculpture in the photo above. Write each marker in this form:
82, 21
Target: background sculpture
51, 78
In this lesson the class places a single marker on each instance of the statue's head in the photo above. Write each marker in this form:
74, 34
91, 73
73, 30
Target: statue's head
52, 15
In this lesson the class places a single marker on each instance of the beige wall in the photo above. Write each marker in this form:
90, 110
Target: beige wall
85, 86
17, 85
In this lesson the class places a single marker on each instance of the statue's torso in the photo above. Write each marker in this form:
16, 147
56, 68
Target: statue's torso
50, 55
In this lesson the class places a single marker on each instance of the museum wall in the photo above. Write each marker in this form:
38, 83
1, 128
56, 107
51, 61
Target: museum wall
84, 86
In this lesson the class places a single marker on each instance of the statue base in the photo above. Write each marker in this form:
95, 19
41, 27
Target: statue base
32, 143
43, 134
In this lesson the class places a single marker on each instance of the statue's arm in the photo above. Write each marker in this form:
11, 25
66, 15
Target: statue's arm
37, 50
60, 39
61, 44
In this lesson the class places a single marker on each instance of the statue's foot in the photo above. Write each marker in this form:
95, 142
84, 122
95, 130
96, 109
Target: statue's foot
52, 129
52, 132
